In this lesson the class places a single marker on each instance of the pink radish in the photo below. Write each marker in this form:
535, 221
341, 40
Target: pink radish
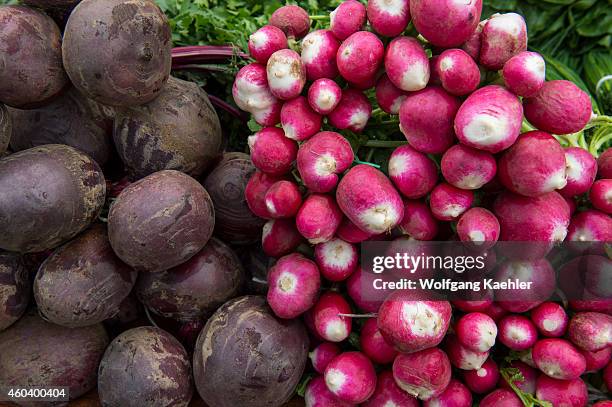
255, 193
368, 199
299, 121
426, 119
310, 325
293, 286
550, 318
252, 94
271, 151
286, 74
324, 95
483, 380
479, 228
503, 36
517, 332
476, 331
374, 346
318, 395
501, 398
595, 361
590, 226
530, 375
359, 288
388, 96
541, 275
525, 73
604, 164
445, 23
293, 20
388, 393
318, 218
321, 158
360, 56
455, 395
490, 119
448, 202
336, 259
328, 323
559, 359
283, 199
351, 377
581, 170
322, 355
570, 393
407, 64
348, 18
534, 165
265, 42
473, 305
319, 49
591, 331
468, 168
353, 111
410, 325
389, 18
434, 74
418, 221
457, 71
601, 195
472, 44
349, 232
550, 112
280, 237
424, 374
413, 173
462, 357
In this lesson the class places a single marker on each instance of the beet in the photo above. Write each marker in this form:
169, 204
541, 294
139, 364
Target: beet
14, 288
6, 128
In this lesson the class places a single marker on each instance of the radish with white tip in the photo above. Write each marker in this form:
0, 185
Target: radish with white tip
359, 57
324, 95
558, 358
601, 195
280, 237
503, 36
418, 222
581, 170
525, 73
482, 380
265, 42
283, 199
455, 395
517, 332
476, 331
389, 18
252, 94
286, 74
389, 96
348, 18
351, 377
352, 113
458, 72
271, 151
319, 49
424, 374
322, 355
413, 173
329, 322
448, 202
550, 318
468, 168
298, 119
389, 394
462, 357
318, 218
407, 64
446, 23
337, 259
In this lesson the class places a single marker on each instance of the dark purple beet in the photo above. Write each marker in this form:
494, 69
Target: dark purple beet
14, 288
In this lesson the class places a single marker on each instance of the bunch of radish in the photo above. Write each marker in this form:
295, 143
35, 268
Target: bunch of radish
482, 162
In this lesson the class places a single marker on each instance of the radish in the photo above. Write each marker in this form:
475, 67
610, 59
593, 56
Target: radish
445, 23
455, 395
352, 113
310, 325
560, 107
503, 36
541, 275
374, 346
571, 202
595, 361
604, 163
424, 374
349, 232
483, 380
368, 199
293, 20
407, 64
272, 152
351, 377
534, 165
348, 18
336, 259
319, 49
388, 96
601, 195
490, 119
360, 56
434, 74
591, 331
255, 193
298, 119
426, 119
286, 74
581, 170
265, 42
321, 158
478, 227
525, 73
280, 237
472, 44
418, 221
322, 355
389, 394
359, 287
389, 18
570, 393
283, 199
501, 398
517, 332
495, 311
252, 94
476, 331
293, 286
448, 202
318, 218
457, 71
328, 323
413, 173
467, 168
530, 375
559, 359
324, 96
598, 277
550, 318
603, 403
473, 305
409, 325
590, 226
318, 395
462, 357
